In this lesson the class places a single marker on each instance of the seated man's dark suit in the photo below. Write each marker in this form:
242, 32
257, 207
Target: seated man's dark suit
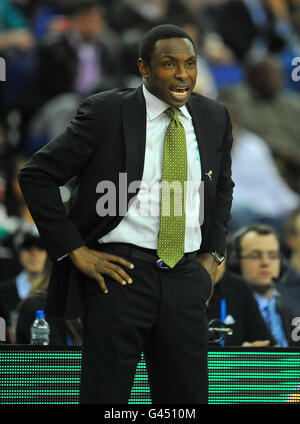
56, 69
247, 323
238, 29
106, 138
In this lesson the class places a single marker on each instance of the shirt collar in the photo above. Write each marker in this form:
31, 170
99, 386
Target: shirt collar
155, 107
263, 302
23, 284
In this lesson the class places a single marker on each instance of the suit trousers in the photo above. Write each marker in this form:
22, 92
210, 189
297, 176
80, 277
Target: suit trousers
162, 314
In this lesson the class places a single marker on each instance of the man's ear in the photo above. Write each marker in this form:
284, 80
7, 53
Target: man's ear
143, 68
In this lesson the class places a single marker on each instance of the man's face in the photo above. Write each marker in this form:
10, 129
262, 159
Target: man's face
172, 73
89, 23
260, 260
33, 259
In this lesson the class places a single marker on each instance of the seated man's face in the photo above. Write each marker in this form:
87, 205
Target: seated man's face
33, 259
89, 23
260, 258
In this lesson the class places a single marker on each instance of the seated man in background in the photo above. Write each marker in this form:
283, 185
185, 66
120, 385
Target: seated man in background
233, 303
78, 60
254, 253
32, 256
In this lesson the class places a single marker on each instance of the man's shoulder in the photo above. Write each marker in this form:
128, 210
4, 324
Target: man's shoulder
109, 97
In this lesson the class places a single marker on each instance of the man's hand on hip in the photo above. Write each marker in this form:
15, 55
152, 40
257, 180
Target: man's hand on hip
94, 264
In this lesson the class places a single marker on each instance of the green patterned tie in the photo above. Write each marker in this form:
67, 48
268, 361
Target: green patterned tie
174, 174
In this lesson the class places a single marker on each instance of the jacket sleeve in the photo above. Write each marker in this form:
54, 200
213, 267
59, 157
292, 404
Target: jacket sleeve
53, 166
217, 225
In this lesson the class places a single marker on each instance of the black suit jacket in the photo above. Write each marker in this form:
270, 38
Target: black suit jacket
238, 29
107, 137
248, 325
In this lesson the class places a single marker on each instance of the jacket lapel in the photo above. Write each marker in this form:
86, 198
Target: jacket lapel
134, 125
202, 129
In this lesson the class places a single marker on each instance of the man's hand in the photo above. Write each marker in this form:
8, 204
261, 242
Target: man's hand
257, 343
94, 264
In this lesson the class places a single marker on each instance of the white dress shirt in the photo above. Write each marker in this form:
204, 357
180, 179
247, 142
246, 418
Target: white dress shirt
140, 226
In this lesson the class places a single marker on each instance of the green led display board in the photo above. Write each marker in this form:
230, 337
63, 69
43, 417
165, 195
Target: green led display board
51, 375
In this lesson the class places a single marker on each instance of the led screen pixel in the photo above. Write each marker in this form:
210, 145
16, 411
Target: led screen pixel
51, 375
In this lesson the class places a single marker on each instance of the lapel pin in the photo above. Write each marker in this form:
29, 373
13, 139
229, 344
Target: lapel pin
209, 174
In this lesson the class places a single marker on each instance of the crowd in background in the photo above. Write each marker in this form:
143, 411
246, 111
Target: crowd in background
57, 52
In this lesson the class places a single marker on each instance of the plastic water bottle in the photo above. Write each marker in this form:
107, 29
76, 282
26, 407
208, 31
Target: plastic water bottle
40, 330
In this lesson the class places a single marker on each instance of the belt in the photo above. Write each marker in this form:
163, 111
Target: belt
146, 255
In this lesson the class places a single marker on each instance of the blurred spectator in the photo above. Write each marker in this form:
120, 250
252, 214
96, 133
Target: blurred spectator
7, 225
15, 219
32, 256
51, 120
233, 303
13, 199
16, 45
254, 253
259, 27
272, 113
62, 332
144, 14
260, 193
44, 16
14, 30
77, 60
253, 25
289, 286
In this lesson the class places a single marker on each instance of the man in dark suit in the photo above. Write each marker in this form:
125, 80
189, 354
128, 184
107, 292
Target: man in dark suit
254, 252
143, 302
78, 59
232, 302
247, 25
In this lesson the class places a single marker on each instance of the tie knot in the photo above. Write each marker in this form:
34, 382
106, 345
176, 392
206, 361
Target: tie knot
172, 113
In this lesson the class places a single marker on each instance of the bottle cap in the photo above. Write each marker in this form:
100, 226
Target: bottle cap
40, 314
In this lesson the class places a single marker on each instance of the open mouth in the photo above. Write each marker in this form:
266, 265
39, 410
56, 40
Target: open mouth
179, 92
